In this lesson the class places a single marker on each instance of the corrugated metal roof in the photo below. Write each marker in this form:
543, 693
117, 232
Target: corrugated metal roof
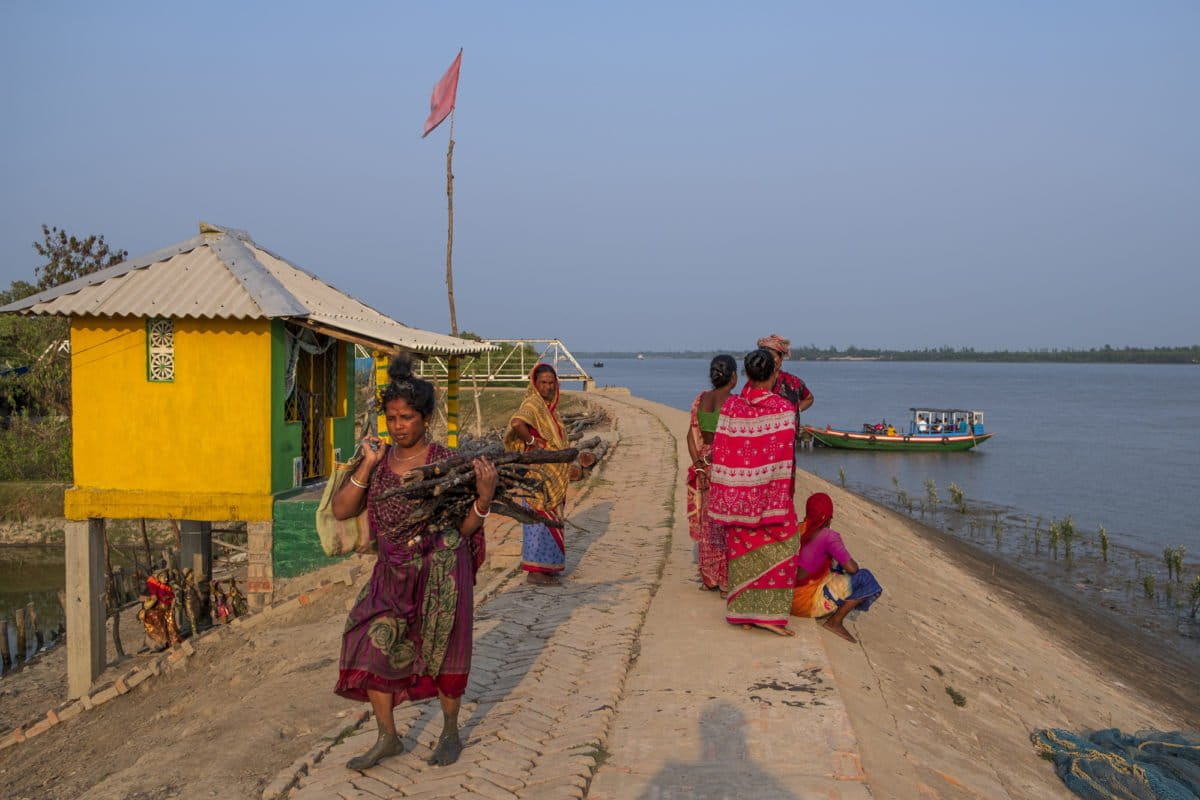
223, 274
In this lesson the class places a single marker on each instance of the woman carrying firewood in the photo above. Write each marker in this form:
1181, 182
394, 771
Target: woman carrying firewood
408, 636
536, 426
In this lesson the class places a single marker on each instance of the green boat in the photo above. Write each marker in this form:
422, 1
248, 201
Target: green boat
930, 430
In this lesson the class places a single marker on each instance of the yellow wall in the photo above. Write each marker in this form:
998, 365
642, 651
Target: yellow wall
202, 440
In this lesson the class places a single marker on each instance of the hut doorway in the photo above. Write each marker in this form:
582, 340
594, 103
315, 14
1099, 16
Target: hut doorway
313, 400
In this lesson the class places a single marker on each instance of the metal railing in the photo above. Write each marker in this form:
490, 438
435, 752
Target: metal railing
513, 363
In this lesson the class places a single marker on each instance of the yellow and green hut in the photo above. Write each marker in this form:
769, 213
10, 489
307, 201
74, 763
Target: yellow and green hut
211, 381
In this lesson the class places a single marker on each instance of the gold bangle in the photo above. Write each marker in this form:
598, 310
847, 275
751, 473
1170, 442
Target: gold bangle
356, 483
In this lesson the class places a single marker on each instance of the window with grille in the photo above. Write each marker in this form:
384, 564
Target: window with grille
160, 350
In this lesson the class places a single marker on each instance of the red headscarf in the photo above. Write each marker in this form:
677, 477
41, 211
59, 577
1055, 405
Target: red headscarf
817, 513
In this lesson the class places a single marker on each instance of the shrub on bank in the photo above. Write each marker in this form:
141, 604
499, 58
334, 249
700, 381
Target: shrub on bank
35, 449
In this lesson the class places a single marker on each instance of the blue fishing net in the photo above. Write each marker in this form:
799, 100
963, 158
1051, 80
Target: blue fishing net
1110, 765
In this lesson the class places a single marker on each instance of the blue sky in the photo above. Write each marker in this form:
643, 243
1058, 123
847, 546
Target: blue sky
643, 176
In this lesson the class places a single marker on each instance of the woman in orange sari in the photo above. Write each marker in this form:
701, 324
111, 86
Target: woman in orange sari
822, 590
536, 426
709, 537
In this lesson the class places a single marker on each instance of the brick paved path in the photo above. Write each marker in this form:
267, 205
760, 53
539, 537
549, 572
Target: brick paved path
549, 663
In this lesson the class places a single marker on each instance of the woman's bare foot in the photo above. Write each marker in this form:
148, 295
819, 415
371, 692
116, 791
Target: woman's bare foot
448, 749
778, 630
542, 579
388, 744
837, 627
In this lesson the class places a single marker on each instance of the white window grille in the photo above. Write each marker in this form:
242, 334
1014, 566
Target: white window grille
160, 350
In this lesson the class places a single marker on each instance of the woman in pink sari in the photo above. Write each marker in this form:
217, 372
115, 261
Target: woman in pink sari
751, 495
709, 537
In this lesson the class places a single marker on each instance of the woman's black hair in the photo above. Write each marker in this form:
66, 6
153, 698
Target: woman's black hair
402, 384
721, 369
540, 368
760, 364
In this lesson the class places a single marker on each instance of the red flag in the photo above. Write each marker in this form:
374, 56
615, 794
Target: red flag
442, 102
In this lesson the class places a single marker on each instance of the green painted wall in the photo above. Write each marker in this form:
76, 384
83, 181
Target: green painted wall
297, 549
285, 436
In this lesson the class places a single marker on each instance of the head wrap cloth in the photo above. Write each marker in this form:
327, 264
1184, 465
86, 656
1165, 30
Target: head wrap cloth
777, 343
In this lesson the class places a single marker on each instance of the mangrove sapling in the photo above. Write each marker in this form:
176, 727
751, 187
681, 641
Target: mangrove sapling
1194, 596
1148, 585
1067, 531
931, 493
1054, 532
997, 530
842, 477
1037, 540
1178, 558
1104, 544
1169, 560
957, 497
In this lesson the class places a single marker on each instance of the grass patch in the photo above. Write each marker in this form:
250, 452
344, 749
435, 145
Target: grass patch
22, 500
958, 697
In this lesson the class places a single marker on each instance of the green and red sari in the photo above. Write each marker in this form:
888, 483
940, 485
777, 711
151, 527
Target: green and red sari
751, 495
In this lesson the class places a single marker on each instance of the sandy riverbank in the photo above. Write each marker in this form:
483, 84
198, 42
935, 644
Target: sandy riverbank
1023, 656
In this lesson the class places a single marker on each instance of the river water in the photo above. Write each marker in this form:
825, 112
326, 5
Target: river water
1111, 445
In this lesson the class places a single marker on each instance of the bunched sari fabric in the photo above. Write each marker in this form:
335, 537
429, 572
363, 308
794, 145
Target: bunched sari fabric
751, 496
709, 536
823, 589
543, 548
410, 630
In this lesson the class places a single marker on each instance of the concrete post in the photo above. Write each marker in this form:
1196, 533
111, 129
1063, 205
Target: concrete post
85, 604
260, 578
196, 554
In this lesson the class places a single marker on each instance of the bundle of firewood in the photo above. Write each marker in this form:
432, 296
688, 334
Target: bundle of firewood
590, 453
575, 424
446, 489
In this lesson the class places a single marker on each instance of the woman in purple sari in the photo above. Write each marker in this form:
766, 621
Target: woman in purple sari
408, 636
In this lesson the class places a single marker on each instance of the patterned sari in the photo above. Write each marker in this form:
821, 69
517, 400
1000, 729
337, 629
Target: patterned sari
752, 496
543, 548
409, 632
709, 536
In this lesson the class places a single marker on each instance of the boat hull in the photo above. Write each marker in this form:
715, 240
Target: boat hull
930, 443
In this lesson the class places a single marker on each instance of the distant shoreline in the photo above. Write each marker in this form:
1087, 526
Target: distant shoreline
1096, 355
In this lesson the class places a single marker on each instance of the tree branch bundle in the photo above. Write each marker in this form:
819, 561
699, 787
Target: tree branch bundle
446, 489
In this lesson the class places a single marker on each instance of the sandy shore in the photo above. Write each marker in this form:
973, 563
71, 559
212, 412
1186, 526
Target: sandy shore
950, 618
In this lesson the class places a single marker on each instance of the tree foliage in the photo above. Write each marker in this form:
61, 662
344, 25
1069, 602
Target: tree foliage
68, 257
34, 362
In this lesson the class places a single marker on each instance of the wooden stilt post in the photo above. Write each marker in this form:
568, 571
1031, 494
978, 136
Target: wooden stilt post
31, 620
452, 402
85, 604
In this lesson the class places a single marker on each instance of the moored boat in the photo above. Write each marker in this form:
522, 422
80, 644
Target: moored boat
929, 430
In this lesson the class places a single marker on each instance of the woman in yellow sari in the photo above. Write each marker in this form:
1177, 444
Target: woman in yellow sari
536, 426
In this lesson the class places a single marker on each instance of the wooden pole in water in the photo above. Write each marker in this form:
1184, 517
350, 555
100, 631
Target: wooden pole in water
19, 623
31, 621
6, 661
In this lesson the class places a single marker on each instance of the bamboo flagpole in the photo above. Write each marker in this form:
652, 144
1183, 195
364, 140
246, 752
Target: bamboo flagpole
441, 105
